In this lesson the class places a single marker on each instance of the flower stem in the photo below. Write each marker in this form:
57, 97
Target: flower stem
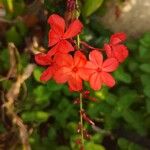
81, 119
81, 96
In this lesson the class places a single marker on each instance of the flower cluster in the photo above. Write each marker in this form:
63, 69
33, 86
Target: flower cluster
66, 62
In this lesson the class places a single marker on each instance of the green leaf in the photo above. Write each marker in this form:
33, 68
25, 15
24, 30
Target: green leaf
4, 60
21, 28
145, 79
135, 120
53, 86
124, 103
144, 52
145, 40
121, 75
35, 116
145, 67
123, 143
93, 146
147, 90
13, 36
37, 73
148, 105
41, 95
90, 6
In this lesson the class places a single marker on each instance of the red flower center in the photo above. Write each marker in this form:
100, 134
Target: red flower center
99, 69
75, 69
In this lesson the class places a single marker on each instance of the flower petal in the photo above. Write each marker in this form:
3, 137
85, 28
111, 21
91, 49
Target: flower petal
57, 23
120, 52
53, 38
65, 47
95, 81
107, 79
62, 74
96, 57
79, 59
43, 59
118, 38
53, 50
47, 74
90, 65
110, 65
62, 47
64, 60
75, 82
108, 50
74, 29
85, 73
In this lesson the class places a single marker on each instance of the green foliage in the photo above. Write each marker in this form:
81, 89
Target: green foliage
48, 107
93, 146
90, 7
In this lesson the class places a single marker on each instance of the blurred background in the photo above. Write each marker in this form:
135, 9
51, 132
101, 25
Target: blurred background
47, 111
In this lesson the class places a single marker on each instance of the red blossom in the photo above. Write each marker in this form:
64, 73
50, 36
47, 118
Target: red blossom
115, 48
59, 35
46, 60
97, 72
70, 70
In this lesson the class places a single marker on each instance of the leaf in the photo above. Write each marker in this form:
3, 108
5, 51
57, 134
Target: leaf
148, 105
121, 75
132, 45
37, 73
13, 36
4, 60
124, 103
53, 86
35, 116
145, 79
90, 6
93, 146
135, 120
123, 143
41, 94
144, 52
21, 28
147, 90
145, 68
145, 40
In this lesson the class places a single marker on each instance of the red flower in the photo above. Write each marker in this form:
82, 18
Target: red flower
70, 70
58, 37
115, 49
45, 60
97, 72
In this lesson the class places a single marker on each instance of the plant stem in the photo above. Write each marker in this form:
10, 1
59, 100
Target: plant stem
81, 96
81, 119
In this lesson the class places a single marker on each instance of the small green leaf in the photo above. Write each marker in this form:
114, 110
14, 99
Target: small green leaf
145, 67
21, 28
35, 116
147, 90
145, 40
148, 105
145, 79
13, 36
90, 6
93, 146
135, 120
124, 103
123, 143
121, 75
37, 73
41, 95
